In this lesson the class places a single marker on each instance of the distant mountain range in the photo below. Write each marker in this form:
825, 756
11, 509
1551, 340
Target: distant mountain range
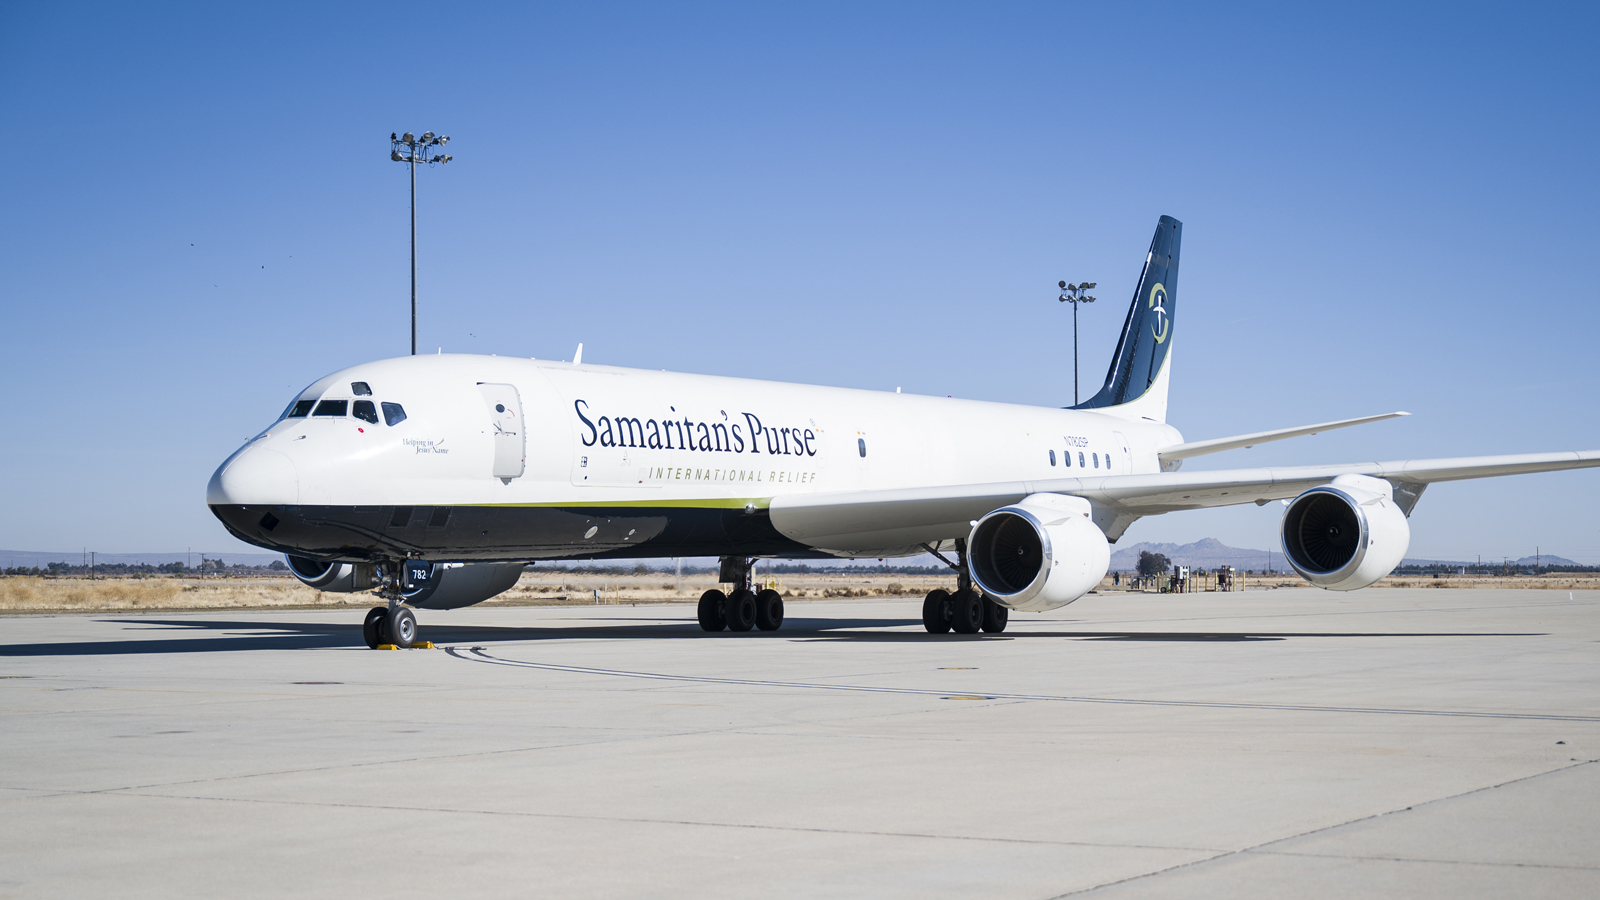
1533, 561
1208, 553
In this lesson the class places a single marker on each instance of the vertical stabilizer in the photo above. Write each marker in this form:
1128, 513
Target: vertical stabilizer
1136, 385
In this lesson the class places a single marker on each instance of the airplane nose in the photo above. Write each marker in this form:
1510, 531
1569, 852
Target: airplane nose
255, 477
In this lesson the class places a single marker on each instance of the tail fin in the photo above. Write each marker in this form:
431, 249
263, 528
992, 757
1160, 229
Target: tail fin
1137, 382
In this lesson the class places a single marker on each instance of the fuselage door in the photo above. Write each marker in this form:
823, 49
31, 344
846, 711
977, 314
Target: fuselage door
1121, 454
505, 418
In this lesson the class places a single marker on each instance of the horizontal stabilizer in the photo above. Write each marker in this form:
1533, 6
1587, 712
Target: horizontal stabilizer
1217, 445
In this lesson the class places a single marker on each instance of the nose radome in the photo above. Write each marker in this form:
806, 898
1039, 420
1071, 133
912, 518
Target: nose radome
256, 477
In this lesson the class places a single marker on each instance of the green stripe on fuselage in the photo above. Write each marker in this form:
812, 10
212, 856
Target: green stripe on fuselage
721, 503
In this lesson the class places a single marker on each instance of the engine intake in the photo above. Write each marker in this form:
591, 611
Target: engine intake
333, 577
1347, 534
1040, 554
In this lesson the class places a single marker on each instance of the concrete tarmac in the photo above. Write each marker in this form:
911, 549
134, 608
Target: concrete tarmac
1386, 743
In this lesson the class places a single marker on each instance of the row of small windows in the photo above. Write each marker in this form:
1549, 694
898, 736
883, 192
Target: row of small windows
1066, 459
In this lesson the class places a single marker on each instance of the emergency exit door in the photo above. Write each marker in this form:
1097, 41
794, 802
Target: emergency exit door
505, 419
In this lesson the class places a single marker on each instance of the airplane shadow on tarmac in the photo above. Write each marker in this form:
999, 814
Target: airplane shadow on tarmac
208, 635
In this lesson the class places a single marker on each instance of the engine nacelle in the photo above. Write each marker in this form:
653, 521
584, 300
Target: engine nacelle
1345, 535
1040, 554
333, 577
454, 585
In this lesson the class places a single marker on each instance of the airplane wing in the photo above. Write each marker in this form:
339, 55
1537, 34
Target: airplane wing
851, 520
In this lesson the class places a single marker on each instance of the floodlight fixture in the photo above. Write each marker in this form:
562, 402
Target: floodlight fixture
409, 150
1075, 294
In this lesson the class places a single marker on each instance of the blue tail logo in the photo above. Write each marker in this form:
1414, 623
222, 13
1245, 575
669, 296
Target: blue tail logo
1147, 333
1158, 307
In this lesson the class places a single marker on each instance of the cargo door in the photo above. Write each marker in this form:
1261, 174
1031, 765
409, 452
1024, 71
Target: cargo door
505, 419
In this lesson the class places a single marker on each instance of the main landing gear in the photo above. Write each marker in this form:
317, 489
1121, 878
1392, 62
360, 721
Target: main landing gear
742, 608
966, 611
395, 624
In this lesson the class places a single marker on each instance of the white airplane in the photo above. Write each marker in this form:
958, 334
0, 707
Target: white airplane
434, 479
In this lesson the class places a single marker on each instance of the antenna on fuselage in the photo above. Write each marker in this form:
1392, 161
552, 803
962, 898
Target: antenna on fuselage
577, 358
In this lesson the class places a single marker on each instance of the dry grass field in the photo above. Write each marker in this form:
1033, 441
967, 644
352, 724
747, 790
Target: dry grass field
28, 594
553, 588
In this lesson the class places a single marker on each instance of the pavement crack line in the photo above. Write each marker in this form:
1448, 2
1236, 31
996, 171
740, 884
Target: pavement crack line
478, 655
1261, 847
695, 823
135, 789
1428, 861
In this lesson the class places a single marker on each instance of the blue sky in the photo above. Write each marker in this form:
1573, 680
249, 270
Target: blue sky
1385, 207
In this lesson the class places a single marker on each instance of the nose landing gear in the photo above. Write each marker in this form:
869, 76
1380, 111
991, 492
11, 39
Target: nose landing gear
395, 624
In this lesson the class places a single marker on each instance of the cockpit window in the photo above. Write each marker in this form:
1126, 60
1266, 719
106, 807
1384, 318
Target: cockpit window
301, 409
393, 414
365, 411
360, 389
332, 408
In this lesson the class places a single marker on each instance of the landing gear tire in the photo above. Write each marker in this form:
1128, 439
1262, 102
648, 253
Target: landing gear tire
402, 627
966, 612
375, 630
935, 612
740, 610
995, 616
711, 617
769, 610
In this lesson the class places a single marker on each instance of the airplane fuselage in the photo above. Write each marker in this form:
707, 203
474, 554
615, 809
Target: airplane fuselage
500, 459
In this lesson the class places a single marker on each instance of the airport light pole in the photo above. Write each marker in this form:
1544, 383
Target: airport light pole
410, 149
1075, 294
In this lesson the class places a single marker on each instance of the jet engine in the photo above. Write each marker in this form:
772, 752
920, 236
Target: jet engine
333, 577
1347, 534
1040, 554
431, 585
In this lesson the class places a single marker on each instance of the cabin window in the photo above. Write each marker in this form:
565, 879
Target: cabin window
1052, 457
1081, 463
360, 389
365, 411
861, 447
1096, 458
332, 408
301, 409
393, 414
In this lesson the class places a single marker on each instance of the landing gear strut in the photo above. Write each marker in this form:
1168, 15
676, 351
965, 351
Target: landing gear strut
393, 624
966, 611
743, 608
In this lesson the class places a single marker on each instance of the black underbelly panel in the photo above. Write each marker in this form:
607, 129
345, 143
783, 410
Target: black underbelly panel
508, 533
